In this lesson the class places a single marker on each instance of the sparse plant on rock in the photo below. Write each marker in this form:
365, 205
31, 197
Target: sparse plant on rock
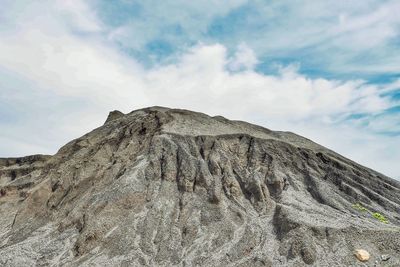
359, 207
380, 217
376, 215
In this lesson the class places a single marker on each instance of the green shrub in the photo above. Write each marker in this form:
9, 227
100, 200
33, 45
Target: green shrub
380, 217
359, 207
376, 215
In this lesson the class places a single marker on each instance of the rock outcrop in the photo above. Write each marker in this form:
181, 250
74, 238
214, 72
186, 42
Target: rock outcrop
168, 187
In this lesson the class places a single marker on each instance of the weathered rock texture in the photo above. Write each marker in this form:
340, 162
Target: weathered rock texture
167, 187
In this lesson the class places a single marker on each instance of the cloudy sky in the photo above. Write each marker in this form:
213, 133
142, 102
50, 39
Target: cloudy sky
328, 70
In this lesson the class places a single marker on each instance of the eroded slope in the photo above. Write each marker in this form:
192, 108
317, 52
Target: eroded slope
162, 187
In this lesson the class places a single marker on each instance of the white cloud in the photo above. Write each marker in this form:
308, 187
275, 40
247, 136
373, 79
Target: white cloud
389, 123
244, 59
157, 18
202, 74
369, 29
78, 14
97, 78
70, 66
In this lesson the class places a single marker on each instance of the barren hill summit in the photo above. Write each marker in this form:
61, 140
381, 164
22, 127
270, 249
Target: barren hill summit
170, 187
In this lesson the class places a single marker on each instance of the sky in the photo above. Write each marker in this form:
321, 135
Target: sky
327, 70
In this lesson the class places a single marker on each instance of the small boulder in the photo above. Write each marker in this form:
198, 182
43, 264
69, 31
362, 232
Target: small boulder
362, 255
385, 257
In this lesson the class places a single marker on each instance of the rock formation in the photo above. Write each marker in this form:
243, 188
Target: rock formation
168, 187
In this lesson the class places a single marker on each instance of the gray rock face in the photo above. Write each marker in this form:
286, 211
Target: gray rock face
165, 187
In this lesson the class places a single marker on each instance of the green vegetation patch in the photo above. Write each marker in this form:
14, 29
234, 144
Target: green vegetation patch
359, 207
376, 215
380, 217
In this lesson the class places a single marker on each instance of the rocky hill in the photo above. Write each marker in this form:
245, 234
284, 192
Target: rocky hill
168, 187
